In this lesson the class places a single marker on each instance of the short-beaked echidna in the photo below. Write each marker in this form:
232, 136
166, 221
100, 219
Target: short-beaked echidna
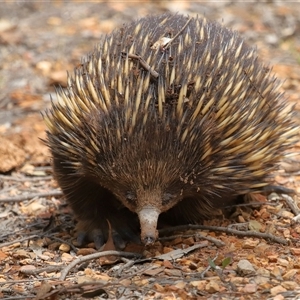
170, 116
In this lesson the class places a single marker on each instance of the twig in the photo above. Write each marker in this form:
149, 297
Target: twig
21, 198
82, 259
175, 254
9, 188
267, 236
19, 240
178, 33
215, 241
128, 264
19, 297
27, 280
201, 275
48, 269
291, 203
25, 178
142, 62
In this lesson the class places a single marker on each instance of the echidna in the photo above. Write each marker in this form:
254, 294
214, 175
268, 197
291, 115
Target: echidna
170, 117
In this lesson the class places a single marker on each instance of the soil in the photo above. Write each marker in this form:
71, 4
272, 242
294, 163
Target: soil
39, 43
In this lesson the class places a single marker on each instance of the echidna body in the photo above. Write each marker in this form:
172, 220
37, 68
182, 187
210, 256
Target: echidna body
169, 115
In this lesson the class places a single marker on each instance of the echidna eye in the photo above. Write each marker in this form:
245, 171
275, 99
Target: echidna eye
131, 197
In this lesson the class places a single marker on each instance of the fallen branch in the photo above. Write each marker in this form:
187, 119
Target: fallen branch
291, 203
25, 178
82, 259
21, 198
263, 235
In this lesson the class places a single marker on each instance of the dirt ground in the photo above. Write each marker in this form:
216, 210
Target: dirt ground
39, 42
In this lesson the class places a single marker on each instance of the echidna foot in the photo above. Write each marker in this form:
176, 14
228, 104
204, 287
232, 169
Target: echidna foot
120, 236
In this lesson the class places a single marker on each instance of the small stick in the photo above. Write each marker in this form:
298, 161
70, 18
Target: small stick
19, 240
48, 269
81, 259
22, 179
143, 63
178, 33
201, 275
21, 198
263, 235
128, 264
291, 203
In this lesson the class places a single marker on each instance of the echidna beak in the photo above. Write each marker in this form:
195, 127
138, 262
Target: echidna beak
148, 217
148, 240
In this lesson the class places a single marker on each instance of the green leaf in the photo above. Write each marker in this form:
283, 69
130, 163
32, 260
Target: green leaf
212, 263
226, 261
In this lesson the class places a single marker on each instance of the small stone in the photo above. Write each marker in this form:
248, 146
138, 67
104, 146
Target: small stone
290, 285
86, 251
126, 282
167, 250
287, 214
277, 273
244, 267
212, 287
261, 280
271, 39
180, 285
44, 257
277, 289
158, 287
199, 284
241, 219
265, 286
66, 257
189, 241
54, 246
250, 244
173, 272
64, 248
21, 254
263, 272
27, 268
6, 25
273, 197
237, 280
295, 251
250, 288
289, 274
282, 262
286, 233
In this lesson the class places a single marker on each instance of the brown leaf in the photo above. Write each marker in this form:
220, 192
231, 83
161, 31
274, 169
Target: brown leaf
154, 271
43, 290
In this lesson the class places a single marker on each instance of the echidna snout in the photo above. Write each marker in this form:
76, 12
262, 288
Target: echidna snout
148, 217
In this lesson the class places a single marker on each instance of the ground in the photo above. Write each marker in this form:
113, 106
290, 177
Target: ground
39, 42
